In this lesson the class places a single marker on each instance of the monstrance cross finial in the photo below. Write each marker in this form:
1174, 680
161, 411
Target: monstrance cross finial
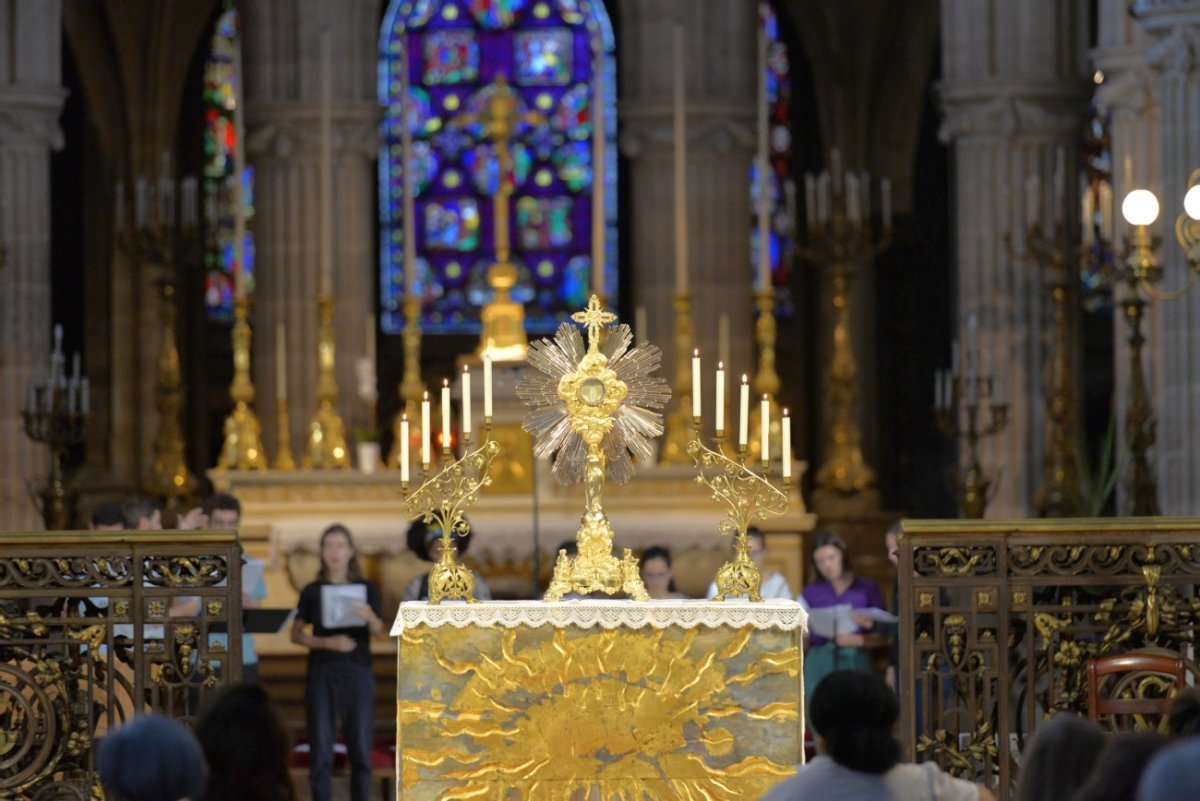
594, 317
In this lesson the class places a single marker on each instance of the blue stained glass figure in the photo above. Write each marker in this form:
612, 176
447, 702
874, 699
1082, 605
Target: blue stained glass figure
449, 52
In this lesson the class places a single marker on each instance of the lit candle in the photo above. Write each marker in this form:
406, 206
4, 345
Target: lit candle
280, 362
239, 173
404, 447
487, 386
764, 439
326, 185
445, 413
599, 228
720, 398
744, 416
787, 445
696, 383
425, 429
680, 170
466, 400
764, 250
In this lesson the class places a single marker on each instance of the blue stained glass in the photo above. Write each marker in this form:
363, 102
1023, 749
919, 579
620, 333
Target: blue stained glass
576, 282
451, 57
544, 57
496, 14
574, 164
484, 167
452, 224
544, 223
573, 116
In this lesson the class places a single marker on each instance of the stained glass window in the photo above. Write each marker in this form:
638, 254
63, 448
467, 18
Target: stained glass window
220, 152
781, 203
451, 52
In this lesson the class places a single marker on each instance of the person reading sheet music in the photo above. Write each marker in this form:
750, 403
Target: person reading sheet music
842, 647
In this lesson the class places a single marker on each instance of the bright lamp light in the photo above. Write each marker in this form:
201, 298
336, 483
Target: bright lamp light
1140, 207
1191, 202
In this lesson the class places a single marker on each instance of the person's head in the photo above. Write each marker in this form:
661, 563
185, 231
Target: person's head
1173, 774
425, 540
891, 541
829, 556
223, 511
142, 512
1115, 777
1184, 718
108, 516
1059, 758
854, 712
152, 758
656, 572
247, 746
756, 541
339, 559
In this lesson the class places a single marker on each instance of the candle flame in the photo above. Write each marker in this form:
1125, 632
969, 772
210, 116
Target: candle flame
445, 382
785, 411
764, 396
466, 368
720, 365
426, 394
745, 379
404, 417
695, 351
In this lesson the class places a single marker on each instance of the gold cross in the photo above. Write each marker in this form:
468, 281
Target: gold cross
594, 317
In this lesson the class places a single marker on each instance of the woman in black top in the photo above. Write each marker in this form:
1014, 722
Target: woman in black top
340, 684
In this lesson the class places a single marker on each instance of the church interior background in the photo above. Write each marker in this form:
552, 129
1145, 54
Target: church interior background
903, 220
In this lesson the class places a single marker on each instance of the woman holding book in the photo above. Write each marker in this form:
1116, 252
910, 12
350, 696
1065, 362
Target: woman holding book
838, 586
343, 609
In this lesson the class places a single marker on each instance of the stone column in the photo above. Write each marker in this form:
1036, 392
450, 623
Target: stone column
31, 98
1173, 28
1014, 93
719, 64
283, 90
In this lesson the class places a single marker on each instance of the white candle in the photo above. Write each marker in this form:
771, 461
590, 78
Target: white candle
723, 337
599, 229
852, 210
239, 172
280, 362
885, 202
466, 400
409, 208
787, 445
425, 429
696, 384
404, 447
640, 329
720, 397
764, 439
326, 186
445, 413
487, 386
680, 170
744, 416
84, 405
75, 368
764, 250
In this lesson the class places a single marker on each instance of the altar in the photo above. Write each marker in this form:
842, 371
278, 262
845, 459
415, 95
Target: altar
598, 699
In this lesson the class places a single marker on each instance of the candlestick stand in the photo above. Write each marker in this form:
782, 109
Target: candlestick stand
766, 380
442, 499
674, 449
53, 420
410, 385
326, 447
749, 496
172, 478
283, 455
243, 448
959, 416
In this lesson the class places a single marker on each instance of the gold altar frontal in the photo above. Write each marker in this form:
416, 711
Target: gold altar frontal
594, 700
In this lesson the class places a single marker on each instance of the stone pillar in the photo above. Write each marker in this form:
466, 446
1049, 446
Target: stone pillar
1014, 93
1173, 28
31, 99
719, 50
1130, 92
283, 91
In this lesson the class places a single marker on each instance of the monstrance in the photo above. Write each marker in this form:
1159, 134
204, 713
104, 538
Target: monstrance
595, 415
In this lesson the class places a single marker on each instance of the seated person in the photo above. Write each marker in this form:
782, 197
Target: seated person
774, 585
855, 714
107, 516
657, 576
426, 542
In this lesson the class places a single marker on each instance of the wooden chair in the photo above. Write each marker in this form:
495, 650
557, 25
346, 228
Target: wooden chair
1134, 689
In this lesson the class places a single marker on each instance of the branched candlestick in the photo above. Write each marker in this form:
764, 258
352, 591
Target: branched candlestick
243, 448
961, 396
55, 414
326, 433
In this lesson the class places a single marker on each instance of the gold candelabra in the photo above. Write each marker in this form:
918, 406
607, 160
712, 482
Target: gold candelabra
410, 385
841, 236
326, 446
674, 450
243, 449
748, 496
960, 398
442, 499
172, 478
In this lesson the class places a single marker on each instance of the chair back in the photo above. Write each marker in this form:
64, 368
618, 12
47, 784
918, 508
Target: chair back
1134, 690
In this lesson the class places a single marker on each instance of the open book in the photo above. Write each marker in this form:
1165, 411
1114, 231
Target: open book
830, 621
338, 602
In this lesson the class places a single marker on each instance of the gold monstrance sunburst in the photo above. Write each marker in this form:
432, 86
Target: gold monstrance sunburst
595, 414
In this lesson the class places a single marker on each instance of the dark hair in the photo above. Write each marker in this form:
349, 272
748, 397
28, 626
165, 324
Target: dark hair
854, 712
420, 534
1115, 777
1059, 758
1184, 718
222, 502
136, 508
659, 552
152, 758
247, 747
830, 538
354, 569
755, 531
108, 513
1174, 773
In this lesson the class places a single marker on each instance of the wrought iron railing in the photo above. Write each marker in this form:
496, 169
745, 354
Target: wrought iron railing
89, 638
999, 620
